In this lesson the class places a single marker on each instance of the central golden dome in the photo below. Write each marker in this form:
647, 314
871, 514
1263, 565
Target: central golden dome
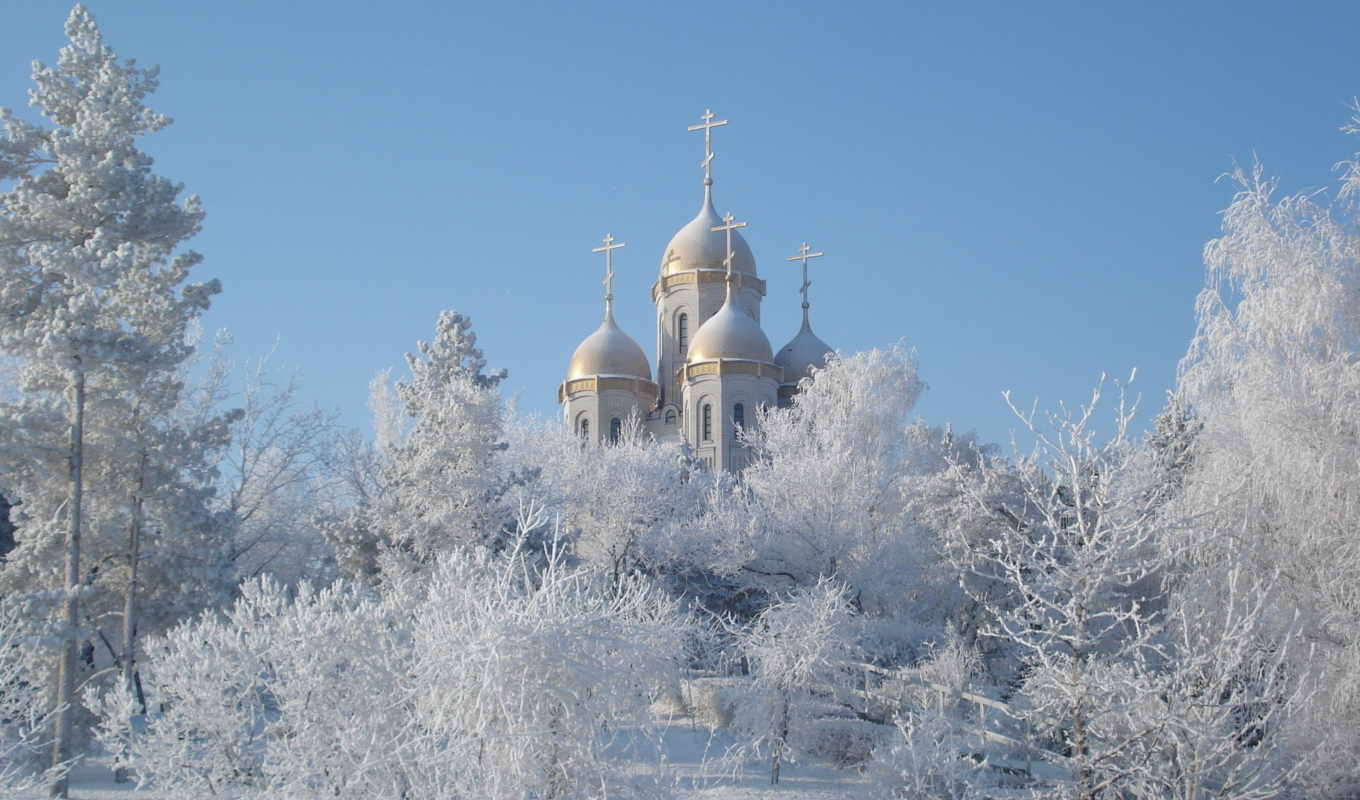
698, 246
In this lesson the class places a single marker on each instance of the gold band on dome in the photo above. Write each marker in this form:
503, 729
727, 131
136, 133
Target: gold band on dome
730, 366
695, 276
602, 383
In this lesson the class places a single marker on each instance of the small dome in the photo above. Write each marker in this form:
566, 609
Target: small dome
608, 351
698, 246
730, 333
799, 357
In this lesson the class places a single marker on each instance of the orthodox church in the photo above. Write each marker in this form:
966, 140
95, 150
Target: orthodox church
714, 364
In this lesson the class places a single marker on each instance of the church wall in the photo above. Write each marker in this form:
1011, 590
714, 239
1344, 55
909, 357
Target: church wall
723, 452
699, 301
600, 409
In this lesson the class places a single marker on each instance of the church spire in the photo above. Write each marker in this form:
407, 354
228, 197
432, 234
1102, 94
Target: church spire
608, 249
803, 255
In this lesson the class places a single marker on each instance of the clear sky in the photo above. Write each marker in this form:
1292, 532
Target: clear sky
1021, 191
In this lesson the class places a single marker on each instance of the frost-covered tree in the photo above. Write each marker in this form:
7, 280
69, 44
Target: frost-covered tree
92, 291
277, 470
1172, 441
841, 485
479, 676
622, 504
439, 435
1271, 374
1140, 669
827, 473
797, 648
931, 753
25, 718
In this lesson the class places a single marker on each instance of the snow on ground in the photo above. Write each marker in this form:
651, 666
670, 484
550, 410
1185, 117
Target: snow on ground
93, 780
687, 756
692, 757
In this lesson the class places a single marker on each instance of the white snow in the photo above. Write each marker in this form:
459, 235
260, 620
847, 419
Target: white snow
689, 760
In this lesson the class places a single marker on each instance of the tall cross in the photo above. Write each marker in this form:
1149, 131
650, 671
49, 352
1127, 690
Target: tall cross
803, 256
707, 127
728, 226
609, 247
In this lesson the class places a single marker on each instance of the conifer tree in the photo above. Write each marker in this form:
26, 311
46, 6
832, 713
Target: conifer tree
438, 480
93, 296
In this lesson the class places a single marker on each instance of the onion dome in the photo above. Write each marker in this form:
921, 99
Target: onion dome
799, 357
698, 246
608, 351
730, 333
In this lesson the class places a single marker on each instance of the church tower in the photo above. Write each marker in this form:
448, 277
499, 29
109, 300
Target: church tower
691, 287
728, 375
608, 378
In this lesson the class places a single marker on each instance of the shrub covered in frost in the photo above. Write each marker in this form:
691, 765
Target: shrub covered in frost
484, 677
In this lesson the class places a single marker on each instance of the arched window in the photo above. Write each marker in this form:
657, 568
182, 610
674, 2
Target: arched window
615, 430
707, 416
738, 415
584, 428
670, 416
682, 334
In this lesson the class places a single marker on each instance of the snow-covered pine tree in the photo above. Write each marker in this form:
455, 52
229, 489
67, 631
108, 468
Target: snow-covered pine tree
93, 294
439, 483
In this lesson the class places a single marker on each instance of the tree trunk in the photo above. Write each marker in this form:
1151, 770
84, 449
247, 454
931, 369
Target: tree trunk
66, 669
781, 736
130, 595
1080, 746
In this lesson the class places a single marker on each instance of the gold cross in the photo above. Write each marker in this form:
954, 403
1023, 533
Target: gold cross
803, 256
728, 226
609, 247
707, 127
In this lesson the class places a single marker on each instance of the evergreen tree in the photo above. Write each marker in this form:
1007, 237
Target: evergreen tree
438, 479
94, 299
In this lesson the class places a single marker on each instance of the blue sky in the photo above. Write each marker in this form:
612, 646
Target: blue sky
1020, 191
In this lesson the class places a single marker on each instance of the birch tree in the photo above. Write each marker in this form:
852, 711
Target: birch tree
277, 470
1271, 374
1151, 658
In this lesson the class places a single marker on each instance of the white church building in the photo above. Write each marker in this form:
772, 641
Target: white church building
714, 363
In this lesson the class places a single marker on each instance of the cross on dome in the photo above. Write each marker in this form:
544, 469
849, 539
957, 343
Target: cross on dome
803, 256
608, 249
728, 226
707, 127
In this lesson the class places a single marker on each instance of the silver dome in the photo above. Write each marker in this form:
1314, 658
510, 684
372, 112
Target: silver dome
802, 355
